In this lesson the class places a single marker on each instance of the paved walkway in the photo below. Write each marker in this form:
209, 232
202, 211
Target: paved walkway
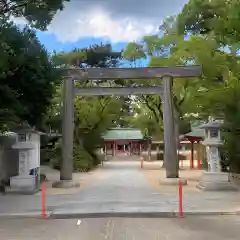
121, 188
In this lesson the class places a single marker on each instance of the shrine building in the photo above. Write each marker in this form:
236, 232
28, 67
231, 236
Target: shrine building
123, 140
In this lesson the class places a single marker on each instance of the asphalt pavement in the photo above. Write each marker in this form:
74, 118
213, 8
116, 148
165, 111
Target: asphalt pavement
192, 227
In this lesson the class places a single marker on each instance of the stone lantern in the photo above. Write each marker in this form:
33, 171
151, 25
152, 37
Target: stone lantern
213, 178
28, 146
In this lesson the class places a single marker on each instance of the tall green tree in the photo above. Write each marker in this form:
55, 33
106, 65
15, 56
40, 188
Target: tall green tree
218, 21
217, 17
27, 79
190, 95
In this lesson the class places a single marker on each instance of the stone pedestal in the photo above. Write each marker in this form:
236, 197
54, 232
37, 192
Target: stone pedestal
23, 184
215, 181
65, 184
172, 181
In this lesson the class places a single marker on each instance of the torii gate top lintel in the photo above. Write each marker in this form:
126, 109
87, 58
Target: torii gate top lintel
134, 73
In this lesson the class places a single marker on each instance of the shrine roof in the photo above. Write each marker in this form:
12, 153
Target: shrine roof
123, 134
196, 133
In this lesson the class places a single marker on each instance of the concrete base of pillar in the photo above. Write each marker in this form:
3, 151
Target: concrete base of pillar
216, 182
25, 184
172, 181
65, 184
21, 191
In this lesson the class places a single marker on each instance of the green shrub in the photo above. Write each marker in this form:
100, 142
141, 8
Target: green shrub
91, 141
82, 160
55, 163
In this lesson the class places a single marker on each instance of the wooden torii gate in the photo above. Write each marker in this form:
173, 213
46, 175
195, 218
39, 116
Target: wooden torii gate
164, 89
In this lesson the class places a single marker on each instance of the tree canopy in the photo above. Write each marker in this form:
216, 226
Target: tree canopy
98, 55
28, 77
38, 13
93, 114
219, 17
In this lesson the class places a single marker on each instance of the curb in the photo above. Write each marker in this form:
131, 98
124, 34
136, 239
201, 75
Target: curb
137, 214
52, 215
23, 215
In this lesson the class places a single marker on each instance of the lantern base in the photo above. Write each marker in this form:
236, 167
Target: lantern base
216, 181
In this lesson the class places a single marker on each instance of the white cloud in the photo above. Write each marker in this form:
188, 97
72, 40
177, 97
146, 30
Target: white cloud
116, 21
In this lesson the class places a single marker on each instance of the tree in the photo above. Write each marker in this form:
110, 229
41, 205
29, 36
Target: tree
103, 56
39, 13
144, 120
231, 126
218, 21
190, 95
98, 55
27, 79
93, 115
205, 17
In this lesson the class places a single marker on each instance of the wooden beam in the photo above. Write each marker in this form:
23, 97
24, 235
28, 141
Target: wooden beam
134, 73
119, 91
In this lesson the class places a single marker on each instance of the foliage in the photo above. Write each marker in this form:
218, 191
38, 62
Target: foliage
171, 49
145, 121
56, 155
93, 115
38, 13
218, 93
101, 55
52, 121
231, 127
28, 77
224, 103
206, 17
82, 160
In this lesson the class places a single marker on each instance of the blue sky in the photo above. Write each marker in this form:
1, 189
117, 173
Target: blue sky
52, 43
83, 22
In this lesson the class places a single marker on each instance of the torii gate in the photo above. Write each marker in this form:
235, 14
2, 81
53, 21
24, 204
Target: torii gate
166, 73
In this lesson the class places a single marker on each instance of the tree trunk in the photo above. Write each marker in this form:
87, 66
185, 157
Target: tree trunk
149, 151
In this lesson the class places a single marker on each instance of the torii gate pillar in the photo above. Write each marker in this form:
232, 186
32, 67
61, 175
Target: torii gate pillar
67, 113
170, 147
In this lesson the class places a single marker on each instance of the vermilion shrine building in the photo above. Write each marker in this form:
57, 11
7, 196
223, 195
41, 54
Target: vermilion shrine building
128, 140
193, 139
132, 142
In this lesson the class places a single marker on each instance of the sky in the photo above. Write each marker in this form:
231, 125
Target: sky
86, 22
